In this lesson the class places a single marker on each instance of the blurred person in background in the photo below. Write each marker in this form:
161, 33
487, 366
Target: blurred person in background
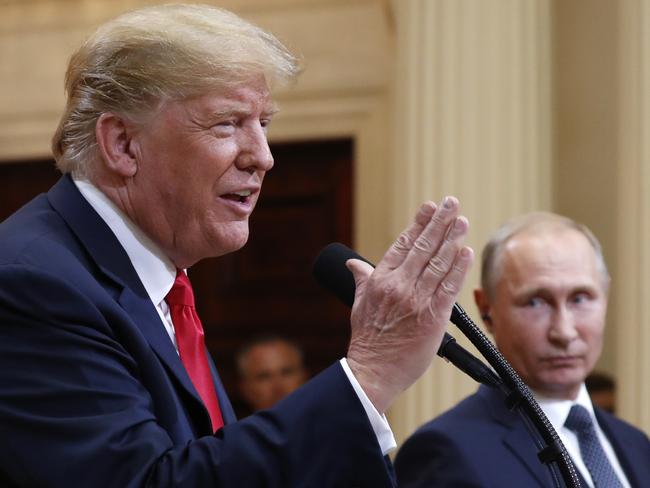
269, 368
602, 390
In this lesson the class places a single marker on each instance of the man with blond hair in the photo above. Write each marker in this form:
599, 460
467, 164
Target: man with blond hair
104, 375
543, 296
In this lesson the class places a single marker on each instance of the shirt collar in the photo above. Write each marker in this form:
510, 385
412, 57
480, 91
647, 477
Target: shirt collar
154, 268
557, 411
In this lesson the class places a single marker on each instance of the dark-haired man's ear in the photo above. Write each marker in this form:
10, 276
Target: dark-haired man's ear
480, 298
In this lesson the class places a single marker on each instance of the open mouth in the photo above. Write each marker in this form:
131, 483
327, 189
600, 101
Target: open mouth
238, 196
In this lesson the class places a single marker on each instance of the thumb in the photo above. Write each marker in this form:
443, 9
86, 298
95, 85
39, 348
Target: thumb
361, 271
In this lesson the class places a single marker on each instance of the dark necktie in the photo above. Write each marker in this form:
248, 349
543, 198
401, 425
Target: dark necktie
593, 455
191, 344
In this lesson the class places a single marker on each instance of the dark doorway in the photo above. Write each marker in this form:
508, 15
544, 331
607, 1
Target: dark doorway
22, 181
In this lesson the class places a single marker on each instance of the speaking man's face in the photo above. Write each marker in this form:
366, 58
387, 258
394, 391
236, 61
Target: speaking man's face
201, 163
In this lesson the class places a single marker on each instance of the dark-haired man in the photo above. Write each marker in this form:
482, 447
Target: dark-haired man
543, 296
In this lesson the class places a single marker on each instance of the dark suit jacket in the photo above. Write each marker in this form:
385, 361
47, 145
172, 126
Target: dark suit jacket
480, 443
92, 392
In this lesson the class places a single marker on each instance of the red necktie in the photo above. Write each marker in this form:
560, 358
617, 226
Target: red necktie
191, 345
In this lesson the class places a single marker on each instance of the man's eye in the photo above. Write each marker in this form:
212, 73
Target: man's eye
226, 123
535, 302
265, 123
580, 298
264, 376
224, 128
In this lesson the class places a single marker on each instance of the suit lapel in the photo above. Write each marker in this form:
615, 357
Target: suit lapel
106, 252
520, 442
623, 446
144, 315
518, 439
515, 436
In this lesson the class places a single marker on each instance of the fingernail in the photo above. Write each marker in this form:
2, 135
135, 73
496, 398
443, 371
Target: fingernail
448, 202
429, 207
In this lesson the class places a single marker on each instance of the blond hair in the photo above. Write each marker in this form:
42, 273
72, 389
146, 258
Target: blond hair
137, 61
532, 222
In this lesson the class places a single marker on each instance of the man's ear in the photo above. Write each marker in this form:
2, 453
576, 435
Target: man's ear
114, 142
480, 298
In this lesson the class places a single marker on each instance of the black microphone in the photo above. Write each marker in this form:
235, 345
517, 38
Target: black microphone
330, 271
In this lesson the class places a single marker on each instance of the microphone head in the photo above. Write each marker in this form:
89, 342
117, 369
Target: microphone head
330, 271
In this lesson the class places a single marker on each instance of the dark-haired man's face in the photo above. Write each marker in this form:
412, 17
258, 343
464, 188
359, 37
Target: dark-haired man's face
548, 310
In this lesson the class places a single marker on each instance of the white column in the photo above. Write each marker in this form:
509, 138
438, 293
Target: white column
632, 289
472, 119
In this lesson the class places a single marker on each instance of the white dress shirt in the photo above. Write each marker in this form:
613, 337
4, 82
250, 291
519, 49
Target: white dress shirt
557, 412
157, 273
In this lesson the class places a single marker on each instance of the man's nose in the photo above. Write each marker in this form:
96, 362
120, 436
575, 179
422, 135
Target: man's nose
255, 153
563, 327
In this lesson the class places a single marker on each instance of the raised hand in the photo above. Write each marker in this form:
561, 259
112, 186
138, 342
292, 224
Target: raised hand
402, 307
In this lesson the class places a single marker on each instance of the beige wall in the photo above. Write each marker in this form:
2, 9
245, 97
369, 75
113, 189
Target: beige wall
513, 105
586, 118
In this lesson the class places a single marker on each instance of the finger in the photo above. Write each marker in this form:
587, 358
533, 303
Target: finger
430, 239
442, 261
447, 291
403, 244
